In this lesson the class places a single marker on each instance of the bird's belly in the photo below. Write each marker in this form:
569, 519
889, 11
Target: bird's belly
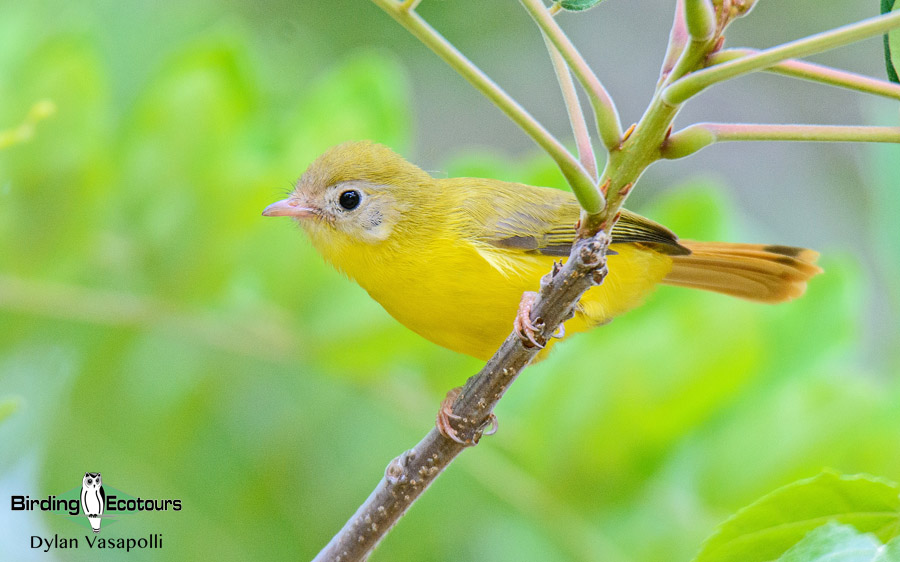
633, 274
470, 308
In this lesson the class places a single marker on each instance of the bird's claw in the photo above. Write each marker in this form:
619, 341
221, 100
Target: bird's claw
524, 327
446, 417
560, 332
490, 421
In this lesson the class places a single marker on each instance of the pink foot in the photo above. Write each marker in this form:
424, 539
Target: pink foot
446, 417
523, 324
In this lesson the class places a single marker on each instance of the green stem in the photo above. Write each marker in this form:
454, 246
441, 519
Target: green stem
609, 126
700, 19
700, 25
691, 58
818, 73
698, 136
579, 179
626, 165
573, 107
689, 86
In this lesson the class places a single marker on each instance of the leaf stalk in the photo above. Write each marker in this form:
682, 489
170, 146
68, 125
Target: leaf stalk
582, 184
689, 86
698, 136
609, 126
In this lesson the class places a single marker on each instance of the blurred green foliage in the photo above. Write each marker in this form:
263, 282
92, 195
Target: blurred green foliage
155, 328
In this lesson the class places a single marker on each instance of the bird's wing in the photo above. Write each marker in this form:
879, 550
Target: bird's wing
545, 225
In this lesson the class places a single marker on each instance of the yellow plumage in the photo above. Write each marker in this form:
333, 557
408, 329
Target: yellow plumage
450, 258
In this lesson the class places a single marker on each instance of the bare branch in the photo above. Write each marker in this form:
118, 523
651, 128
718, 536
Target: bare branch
410, 474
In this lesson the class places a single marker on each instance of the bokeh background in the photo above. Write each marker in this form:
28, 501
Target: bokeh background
155, 328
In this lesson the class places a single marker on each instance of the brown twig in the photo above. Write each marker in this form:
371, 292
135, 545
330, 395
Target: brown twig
410, 474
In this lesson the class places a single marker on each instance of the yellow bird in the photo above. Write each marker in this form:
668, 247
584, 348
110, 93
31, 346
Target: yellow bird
451, 258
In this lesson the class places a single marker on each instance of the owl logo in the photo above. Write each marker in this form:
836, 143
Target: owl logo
93, 499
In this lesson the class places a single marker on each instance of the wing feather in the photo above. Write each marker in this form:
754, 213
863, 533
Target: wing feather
543, 223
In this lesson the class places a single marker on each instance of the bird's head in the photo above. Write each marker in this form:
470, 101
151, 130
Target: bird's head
357, 192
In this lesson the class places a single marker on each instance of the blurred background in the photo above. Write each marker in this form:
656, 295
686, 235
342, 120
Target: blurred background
153, 327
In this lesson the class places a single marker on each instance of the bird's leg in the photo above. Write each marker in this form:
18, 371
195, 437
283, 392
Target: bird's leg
446, 418
523, 325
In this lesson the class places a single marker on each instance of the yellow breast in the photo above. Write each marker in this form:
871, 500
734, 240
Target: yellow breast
447, 292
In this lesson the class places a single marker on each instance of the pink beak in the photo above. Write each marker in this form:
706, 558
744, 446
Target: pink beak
288, 208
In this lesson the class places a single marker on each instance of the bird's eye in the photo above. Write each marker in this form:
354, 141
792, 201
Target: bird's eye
349, 199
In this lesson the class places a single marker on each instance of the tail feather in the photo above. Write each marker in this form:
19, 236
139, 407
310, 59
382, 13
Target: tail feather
751, 271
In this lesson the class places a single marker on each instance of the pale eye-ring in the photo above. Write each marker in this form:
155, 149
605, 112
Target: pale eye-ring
350, 199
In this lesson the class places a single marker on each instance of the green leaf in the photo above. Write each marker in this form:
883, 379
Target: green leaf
578, 5
891, 43
765, 529
835, 543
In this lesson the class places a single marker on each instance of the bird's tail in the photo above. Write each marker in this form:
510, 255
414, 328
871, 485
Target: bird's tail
750, 271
